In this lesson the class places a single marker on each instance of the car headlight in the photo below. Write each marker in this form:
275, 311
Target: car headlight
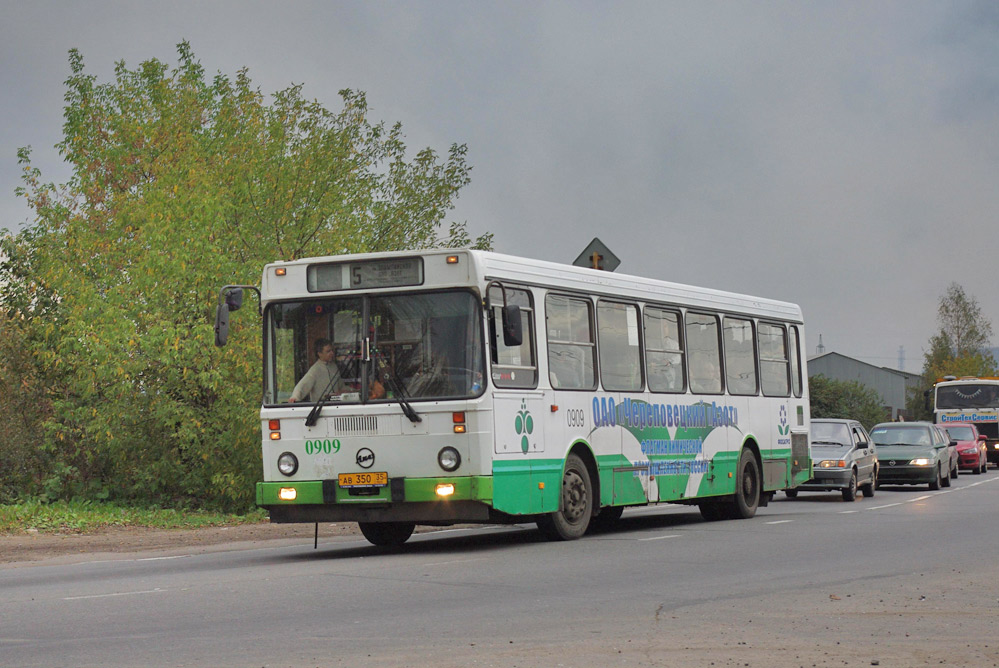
832, 464
922, 461
449, 459
287, 463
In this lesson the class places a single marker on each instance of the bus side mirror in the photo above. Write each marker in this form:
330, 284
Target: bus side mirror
234, 298
513, 332
221, 324
233, 301
230, 299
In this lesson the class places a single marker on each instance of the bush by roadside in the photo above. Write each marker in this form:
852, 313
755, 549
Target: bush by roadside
87, 516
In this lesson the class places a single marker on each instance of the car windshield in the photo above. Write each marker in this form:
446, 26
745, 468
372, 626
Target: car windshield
830, 433
961, 433
901, 436
380, 348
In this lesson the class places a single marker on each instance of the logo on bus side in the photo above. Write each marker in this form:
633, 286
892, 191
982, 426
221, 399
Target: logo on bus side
524, 424
783, 428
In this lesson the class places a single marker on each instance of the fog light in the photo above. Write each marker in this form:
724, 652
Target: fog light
447, 489
288, 494
449, 459
287, 463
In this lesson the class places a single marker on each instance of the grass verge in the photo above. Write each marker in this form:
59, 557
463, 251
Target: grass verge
87, 516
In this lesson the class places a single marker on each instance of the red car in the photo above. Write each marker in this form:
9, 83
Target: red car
971, 446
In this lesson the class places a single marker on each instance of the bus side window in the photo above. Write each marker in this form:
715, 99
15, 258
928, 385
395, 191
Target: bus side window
515, 366
703, 353
663, 351
740, 356
620, 356
571, 345
795, 361
773, 360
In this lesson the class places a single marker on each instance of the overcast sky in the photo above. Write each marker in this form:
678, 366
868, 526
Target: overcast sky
840, 155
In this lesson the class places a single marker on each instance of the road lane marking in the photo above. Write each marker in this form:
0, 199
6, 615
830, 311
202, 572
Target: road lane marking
848, 512
672, 535
120, 593
885, 506
454, 561
179, 556
780, 522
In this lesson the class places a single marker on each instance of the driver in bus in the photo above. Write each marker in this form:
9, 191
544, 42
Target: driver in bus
323, 374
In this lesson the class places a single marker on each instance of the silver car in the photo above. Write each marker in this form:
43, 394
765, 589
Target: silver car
843, 458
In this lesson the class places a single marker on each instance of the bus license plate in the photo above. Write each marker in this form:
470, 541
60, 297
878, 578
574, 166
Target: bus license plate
366, 479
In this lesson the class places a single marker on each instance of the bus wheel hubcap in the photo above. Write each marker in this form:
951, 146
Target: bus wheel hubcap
573, 496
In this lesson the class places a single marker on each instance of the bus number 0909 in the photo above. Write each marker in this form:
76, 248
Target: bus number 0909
575, 417
323, 447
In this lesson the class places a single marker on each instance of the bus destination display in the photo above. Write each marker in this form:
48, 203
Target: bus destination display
365, 275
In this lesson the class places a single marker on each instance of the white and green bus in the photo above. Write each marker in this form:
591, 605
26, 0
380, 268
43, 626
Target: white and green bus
474, 387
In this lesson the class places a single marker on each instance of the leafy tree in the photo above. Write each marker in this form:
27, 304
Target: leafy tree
180, 185
831, 398
959, 348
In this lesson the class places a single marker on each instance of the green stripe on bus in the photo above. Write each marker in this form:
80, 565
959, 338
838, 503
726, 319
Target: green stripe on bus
527, 486
308, 492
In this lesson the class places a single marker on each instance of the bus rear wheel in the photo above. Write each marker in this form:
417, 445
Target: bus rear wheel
747, 488
387, 534
575, 508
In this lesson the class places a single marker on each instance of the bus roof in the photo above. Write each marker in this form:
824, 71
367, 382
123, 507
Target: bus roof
488, 265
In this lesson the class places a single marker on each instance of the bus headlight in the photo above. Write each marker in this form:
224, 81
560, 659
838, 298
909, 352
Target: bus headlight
449, 459
287, 463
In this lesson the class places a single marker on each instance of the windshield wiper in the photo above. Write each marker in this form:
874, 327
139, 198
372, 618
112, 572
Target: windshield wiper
400, 394
827, 443
313, 416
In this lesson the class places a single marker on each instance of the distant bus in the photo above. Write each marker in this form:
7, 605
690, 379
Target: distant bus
970, 399
475, 387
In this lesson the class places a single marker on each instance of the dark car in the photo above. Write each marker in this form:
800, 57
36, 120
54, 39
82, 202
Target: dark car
843, 459
972, 450
914, 453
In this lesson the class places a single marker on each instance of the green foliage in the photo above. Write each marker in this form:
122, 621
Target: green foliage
831, 398
79, 516
180, 185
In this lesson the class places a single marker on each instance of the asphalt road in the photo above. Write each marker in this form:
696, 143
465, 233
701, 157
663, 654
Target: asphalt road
906, 578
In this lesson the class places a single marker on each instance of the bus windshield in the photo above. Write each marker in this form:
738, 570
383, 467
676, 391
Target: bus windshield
363, 349
967, 395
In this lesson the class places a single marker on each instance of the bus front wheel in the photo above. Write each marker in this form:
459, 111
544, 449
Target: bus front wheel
387, 534
575, 508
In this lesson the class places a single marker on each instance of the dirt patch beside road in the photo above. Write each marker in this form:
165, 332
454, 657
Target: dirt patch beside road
34, 547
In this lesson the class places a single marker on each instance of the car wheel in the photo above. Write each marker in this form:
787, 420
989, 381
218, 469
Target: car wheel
935, 483
953, 472
850, 491
945, 481
868, 489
